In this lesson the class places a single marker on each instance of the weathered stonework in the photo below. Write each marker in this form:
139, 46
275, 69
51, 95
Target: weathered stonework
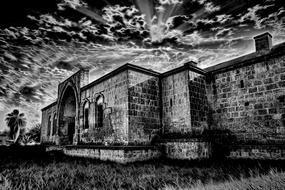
115, 107
255, 110
176, 103
144, 107
276, 152
198, 101
48, 127
184, 101
188, 150
243, 99
117, 154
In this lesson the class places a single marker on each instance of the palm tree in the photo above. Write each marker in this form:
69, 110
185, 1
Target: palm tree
15, 120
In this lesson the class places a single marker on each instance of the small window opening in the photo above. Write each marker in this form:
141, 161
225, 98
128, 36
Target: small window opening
49, 126
281, 98
215, 89
171, 103
85, 115
99, 111
54, 125
267, 66
246, 104
241, 84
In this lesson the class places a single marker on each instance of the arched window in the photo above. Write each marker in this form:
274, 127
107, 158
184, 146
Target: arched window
99, 111
86, 115
49, 126
54, 125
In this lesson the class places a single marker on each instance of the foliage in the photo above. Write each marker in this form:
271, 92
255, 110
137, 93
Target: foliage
31, 136
15, 121
98, 135
22, 136
26, 137
34, 134
5, 133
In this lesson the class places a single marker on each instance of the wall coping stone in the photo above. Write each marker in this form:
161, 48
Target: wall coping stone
272, 146
183, 140
114, 147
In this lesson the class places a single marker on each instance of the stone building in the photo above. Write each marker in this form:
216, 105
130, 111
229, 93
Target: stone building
130, 113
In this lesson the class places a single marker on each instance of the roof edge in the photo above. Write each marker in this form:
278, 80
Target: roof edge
119, 70
263, 34
245, 59
187, 66
48, 106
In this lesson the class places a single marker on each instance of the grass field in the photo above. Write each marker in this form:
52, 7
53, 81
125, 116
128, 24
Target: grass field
61, 172
272, 181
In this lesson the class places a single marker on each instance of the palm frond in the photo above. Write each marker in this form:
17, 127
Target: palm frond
15, 122
15, 112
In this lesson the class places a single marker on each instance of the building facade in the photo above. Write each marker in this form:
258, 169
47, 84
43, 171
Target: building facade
134, 106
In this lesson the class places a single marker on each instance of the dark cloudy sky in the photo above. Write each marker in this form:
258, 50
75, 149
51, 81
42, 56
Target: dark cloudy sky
44, 41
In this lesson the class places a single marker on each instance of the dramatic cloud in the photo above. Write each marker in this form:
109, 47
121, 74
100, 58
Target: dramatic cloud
252, 15
49, 41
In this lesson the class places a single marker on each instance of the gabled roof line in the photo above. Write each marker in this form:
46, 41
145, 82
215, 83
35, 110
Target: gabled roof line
119, 70
50, 105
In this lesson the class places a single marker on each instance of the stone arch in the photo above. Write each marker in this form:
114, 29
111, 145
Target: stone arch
67, 114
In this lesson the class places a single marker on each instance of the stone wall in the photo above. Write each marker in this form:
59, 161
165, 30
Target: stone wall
274, 152
176, 103
187, 150
84, 77
49, 113
115, 107
250, 101
117, 154
144, 107
198, 101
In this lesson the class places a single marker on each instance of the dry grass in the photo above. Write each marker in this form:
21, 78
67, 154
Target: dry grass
60, 172
271, 181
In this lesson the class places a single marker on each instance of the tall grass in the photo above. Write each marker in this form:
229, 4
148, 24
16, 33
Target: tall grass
61, 172
271, 181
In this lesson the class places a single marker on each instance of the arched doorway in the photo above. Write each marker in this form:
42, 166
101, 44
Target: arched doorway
67, 114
